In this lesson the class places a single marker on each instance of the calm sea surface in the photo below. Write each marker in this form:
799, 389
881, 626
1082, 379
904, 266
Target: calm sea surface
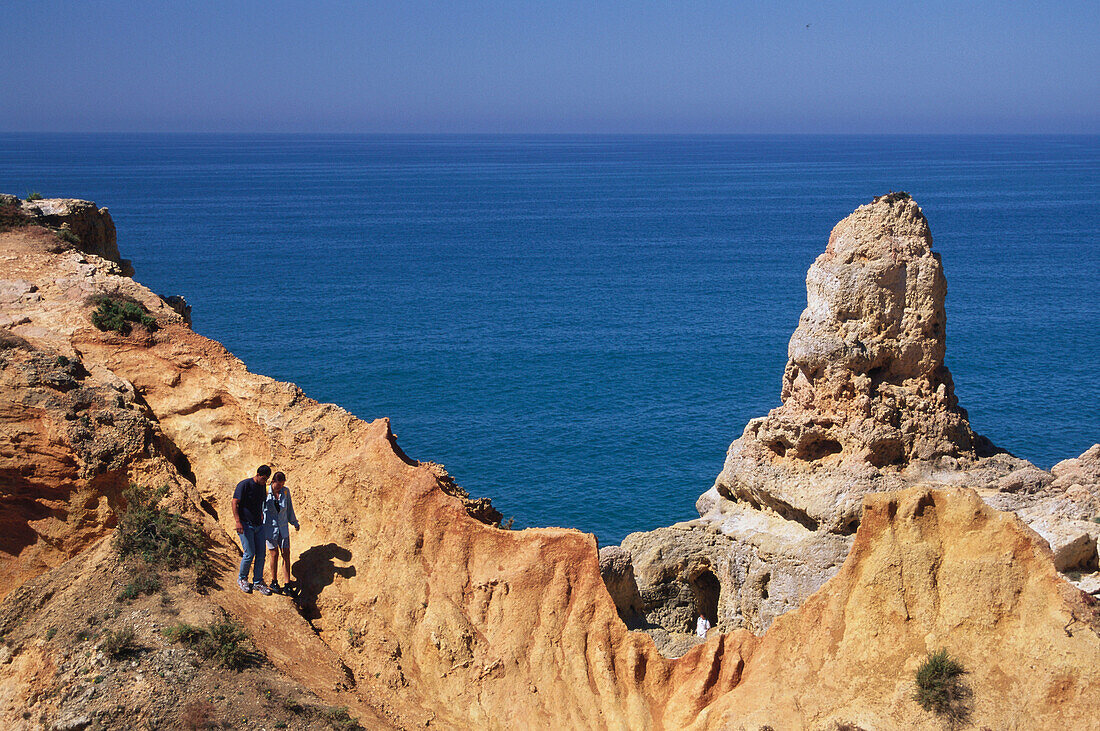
578, 326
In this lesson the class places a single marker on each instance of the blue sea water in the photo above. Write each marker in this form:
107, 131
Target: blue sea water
578, 326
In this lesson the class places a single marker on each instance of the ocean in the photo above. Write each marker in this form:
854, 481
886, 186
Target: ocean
578, 326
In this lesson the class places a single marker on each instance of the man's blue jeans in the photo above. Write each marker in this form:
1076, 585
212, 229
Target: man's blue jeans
252, 541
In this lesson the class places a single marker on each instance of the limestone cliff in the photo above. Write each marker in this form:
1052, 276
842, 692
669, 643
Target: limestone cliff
79, 222
867, 406
929, 569
868, 403
416, 611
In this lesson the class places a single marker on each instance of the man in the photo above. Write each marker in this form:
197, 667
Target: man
248, 513
702, 625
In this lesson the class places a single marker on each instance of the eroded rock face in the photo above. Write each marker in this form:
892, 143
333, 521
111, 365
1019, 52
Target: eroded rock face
867, 406
456, 623
741, 567
617, 571
868, 403
92, 227
70, 440
929, 569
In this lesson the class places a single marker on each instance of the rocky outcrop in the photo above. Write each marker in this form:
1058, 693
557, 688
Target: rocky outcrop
72, 435
1067, 513
81, 223
617, 571
929, 569
867, 402
867, 406
741, 569
414, 612
68, 444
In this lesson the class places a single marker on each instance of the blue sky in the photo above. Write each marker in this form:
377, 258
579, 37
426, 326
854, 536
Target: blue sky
551, 67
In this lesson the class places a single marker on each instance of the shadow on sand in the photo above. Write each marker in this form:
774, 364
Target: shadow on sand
314, 570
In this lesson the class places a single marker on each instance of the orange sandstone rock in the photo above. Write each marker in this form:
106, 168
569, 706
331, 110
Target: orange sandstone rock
425, 615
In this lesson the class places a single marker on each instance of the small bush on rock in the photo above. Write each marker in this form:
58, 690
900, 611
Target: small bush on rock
182, 632
120, 643
120, 316
340, 718
144, 581
225, 642
68, 236
227, 645
34, 196
939, 685
11, 212
893, 197
159, 536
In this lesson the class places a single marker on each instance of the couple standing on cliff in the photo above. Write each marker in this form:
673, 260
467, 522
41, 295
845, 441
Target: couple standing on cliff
263, 515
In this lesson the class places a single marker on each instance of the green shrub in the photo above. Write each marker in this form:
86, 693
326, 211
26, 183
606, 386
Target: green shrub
144, 581
225, 642
893, 197
68, 236
51, 632
120, 315
182, 632
11, 213
939, 687
120, 643
227, 645
34, 195
340, 718
159, 536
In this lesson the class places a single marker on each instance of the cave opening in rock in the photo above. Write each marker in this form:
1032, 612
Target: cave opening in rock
707, 589
820, 449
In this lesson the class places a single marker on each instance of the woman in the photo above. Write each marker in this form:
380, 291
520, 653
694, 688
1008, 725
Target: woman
278, 517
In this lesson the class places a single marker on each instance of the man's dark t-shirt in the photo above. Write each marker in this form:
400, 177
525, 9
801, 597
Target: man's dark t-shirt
250, 507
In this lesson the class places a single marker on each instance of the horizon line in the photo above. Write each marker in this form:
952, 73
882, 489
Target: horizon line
299, 133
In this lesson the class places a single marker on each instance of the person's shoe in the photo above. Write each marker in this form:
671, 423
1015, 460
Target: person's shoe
262, 588
275, 588
245, 586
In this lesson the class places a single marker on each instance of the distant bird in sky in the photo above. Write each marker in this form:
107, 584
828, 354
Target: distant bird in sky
807, 25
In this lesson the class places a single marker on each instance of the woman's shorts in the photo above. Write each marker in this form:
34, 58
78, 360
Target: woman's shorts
274, 540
